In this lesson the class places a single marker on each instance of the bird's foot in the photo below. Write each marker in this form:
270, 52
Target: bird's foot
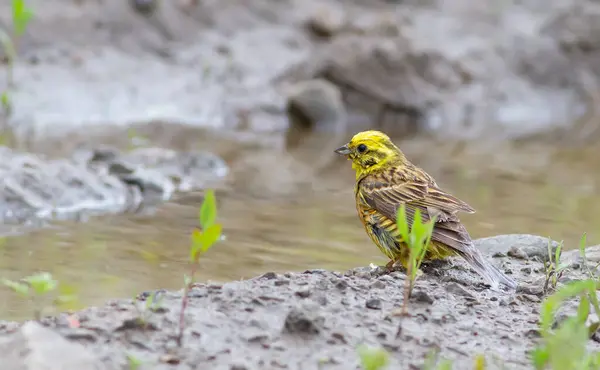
436, 266
394, 265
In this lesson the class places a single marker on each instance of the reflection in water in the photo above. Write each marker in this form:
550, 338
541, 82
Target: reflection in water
280, 214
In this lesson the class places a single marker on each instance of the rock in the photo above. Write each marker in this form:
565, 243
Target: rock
423, 297
303, 293
316, 105
531, 246
459, 290
517, 252
435, 78
145, 7
592, 254
269, 276
302, 322
98, 181
35, 347
144, 76
374, 304
326, 22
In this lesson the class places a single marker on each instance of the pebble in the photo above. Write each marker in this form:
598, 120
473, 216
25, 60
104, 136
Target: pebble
304, 293
530, 298
301, 322
526, 270
341, 284
531, 289
269, 275
326, 23
374, 304
423, 297
378, 284
459, 290
517, 252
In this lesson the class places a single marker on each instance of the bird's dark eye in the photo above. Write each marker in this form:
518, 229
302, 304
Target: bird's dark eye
362, 148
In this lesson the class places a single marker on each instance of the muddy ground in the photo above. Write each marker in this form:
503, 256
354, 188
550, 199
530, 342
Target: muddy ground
308, 320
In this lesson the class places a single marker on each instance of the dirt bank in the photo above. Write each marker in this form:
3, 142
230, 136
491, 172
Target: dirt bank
309, 320
480, 71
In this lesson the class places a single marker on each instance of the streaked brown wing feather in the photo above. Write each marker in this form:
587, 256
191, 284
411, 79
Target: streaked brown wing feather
387, 191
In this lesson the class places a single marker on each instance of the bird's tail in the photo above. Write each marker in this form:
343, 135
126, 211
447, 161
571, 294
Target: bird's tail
487, 270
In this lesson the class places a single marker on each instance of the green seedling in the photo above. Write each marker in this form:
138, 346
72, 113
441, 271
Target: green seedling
590, 272
553, 268
33, 287
434, 362
417, 238
68, 298
202, 240
564, 345
479, 362
21, 16
152, 304
133, 361
373, 358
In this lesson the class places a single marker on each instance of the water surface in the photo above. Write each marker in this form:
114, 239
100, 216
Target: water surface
281, 213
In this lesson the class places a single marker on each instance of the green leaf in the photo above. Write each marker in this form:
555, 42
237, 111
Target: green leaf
21, 14
41, 283
17, 287
208, 210
373, 358
67, 297
8, 46
540, 357
445, 365
557, 253
582, 244
583, 310
402, 223
134, 362
202, 241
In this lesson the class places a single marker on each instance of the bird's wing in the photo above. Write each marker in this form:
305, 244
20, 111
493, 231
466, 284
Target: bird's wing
386, 192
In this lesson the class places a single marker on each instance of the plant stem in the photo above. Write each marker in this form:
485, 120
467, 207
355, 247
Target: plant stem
407, 290
184, 304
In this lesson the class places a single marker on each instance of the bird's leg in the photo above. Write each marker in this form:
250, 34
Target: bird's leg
390, 265
394, 265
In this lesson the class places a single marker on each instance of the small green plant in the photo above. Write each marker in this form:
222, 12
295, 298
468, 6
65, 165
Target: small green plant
133, 361
434, 362
417, 238
590, 272
202, 240
152, 304
373, 358
21, 16
564, 345
33, 287
553, 268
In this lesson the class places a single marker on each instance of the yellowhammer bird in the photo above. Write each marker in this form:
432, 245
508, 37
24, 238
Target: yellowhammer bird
385, 179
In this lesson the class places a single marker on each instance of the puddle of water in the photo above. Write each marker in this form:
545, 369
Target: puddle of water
279, 216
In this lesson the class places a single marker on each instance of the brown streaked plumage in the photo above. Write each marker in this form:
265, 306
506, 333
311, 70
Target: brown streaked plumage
385, 179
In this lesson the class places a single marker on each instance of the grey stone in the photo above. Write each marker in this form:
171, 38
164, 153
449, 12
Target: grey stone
531, 245
98, 181
35, 347
317, 103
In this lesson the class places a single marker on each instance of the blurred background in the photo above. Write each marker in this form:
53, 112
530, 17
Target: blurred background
117, 114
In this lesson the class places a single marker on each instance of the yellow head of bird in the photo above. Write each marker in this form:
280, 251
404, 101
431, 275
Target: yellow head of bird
369, 150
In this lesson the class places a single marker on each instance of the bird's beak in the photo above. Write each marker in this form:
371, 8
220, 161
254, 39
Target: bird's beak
343, 150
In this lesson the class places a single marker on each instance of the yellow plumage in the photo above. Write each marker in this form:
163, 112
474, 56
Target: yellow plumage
385, 179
